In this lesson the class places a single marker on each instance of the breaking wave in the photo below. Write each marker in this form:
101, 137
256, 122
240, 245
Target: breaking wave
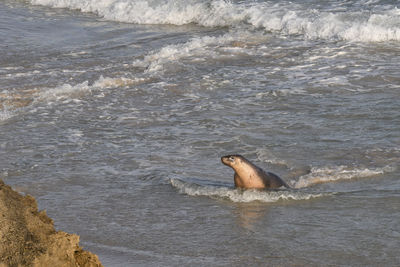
12, 102
238, 195
75, 91
196, 48
331, 174
364, 24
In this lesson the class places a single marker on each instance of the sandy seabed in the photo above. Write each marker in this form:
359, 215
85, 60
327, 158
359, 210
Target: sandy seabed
28, 236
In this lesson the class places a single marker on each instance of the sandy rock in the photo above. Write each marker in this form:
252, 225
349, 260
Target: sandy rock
28, 237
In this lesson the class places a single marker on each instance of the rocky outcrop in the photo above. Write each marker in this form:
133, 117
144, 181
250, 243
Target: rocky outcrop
28, 237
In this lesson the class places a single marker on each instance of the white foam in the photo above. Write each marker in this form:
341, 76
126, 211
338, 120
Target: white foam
285, 17
105, 82
331, 174
68, 91
5, 114
199, 49
64, 91
237, 195
179, 12
198, 46
351, 26
7, 110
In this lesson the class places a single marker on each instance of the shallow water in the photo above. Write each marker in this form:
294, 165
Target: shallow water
114, 115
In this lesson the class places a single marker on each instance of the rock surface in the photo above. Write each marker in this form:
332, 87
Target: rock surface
28, 237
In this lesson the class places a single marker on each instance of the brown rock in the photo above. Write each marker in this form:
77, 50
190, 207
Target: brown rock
28, 237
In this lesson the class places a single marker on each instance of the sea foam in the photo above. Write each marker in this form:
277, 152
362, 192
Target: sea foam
197, 46
332, 174
238, 195
11, 103
68, 91
5, 115
285, 18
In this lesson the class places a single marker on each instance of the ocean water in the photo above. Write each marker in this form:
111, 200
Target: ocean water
114, 114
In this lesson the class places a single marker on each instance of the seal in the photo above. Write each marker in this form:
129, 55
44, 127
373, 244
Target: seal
248, 175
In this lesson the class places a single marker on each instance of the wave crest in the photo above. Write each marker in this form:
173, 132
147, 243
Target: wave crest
331, 174
284, 18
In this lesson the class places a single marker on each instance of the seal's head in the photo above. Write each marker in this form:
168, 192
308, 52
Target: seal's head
232, 160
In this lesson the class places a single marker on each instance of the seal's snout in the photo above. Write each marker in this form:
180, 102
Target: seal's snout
225, 160
228, 160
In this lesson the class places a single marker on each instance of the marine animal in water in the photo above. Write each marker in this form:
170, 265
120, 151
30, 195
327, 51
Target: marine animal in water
248, 175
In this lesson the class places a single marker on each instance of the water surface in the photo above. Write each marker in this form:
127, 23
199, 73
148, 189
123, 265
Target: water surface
114, 115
